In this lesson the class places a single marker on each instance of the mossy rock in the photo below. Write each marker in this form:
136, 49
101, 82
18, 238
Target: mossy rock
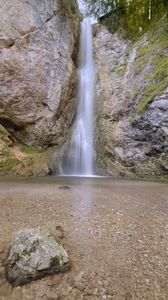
145, 50
7, 152
149, 93
121, 70
34, 253
155, 79
28, 150
140, 66
158, 81
8, 164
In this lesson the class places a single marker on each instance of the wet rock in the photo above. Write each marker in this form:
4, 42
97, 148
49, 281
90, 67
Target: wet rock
64, 187
33, 254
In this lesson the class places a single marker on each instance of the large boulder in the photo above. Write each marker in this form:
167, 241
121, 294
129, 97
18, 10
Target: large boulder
38, 46
33, 254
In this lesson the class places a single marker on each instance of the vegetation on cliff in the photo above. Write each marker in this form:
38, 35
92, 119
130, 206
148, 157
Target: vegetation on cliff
151, 65
131, 18
133, 81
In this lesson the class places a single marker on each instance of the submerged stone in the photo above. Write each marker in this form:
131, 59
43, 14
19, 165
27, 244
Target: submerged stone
34, 253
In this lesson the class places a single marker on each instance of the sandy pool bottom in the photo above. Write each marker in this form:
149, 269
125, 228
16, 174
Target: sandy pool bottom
115, 232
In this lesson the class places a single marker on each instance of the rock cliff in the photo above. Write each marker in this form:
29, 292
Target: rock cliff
38, 43
132, 96
38, 53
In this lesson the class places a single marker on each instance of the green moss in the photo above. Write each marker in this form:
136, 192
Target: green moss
28, 149
159, 34
135, 93
8, 164
148, 76
140, 66
25, 253
129, 48
121, 70
160, 73
157, 76
157, 39
159, 58
162, 45
145, 50
160, 63
6, 152
55, 262
149, 93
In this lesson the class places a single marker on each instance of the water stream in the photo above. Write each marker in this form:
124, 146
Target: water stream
79, 160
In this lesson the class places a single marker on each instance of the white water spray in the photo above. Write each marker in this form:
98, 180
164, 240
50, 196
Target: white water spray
80, 155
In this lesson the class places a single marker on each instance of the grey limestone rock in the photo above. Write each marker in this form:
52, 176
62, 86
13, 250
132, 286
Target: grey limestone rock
128, 142
34, 253
38, 46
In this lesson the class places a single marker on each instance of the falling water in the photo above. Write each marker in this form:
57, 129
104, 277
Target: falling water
83, 131
80, 155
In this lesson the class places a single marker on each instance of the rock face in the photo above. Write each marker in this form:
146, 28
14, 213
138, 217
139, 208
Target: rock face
33, 254
38, 44
132, 98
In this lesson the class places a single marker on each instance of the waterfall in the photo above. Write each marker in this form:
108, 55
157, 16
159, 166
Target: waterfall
79, 159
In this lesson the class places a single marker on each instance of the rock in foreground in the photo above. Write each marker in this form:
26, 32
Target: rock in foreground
33, 254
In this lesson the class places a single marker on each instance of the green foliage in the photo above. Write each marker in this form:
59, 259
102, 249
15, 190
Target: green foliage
121, 70
6, 152
159, 32
131, 18
149, 93
55, 262
155, 79
140, 66
8, 164
148, 76
160, 72
128, 49
27, 149
158, 79
135, 93
144, 50
160, 63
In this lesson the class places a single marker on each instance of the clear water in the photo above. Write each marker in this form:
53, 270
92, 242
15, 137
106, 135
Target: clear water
79, 160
